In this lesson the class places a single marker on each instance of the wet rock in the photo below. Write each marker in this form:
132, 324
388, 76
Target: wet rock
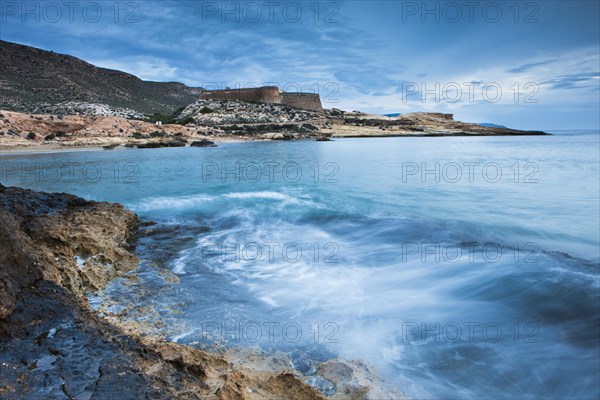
17, 250
51, 348
357, 380
158, 145
323, 385
302, 363
203, 143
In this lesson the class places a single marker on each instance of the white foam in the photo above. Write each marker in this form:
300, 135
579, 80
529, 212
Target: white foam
177, 338
80, 261
179, 265
269, 300
170, 203
202, 200
260, 195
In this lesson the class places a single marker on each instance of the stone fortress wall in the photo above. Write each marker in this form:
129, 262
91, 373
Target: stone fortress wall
308, 101
267, 94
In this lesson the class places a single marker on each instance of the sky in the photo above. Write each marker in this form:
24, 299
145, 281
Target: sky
522, 64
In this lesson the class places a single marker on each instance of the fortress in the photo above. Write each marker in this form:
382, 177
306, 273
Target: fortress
267, 94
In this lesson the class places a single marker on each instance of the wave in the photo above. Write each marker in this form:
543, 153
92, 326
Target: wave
171, 203
201, 201
261, 195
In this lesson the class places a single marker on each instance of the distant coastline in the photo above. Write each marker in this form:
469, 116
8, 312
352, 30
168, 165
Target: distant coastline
108, 109
220, 121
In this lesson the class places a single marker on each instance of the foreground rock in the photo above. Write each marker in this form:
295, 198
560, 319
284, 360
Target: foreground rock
55, 247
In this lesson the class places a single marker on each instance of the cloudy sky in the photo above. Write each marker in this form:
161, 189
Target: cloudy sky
529, 65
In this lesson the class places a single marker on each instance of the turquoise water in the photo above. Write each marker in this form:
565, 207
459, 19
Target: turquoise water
476, 279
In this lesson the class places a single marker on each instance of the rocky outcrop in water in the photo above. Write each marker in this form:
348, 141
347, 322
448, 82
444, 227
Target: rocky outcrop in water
203, 143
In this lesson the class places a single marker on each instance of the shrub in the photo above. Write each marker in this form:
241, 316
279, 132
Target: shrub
187, 120
205, 110
51, 136
31, 135
61, 134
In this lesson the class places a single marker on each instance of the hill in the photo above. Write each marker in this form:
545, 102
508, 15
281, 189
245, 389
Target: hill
30, 77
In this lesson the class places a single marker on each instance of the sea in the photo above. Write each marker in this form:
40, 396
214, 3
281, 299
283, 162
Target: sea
458, 267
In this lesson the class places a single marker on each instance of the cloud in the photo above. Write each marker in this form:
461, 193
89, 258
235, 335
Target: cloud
574, 81
146, 68
527, 67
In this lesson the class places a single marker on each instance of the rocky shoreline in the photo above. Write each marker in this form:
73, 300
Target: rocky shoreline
77, 124
58, 247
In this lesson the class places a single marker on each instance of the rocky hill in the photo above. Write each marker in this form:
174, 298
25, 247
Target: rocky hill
83, 108
30, 78
223, 112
